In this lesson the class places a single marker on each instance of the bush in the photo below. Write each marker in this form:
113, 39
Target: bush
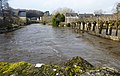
16, 68
57, 19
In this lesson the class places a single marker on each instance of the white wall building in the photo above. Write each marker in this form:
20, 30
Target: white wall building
71, 17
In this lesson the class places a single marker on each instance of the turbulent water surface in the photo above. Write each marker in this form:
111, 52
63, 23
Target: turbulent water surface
38, 43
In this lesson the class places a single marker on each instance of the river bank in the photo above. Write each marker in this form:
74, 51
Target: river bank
114, 38
10, 24
10, 30
76, 66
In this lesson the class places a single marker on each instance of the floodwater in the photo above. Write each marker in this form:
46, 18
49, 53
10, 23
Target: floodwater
37, 43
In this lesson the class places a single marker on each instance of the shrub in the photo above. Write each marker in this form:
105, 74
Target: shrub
57, 19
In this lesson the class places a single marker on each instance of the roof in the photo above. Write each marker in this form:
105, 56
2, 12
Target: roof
22, 13
85, 15
107, 14
71, 14
103, 14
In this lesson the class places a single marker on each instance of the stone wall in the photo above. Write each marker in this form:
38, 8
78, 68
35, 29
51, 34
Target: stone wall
71, 19
100, 30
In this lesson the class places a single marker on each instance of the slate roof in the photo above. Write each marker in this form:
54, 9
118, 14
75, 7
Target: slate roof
71, 14
86, 15
22, 13
103, 14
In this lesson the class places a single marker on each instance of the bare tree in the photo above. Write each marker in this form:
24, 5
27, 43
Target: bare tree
6, 14
118, 8
63, 11
3, 6
117, 22
98, 12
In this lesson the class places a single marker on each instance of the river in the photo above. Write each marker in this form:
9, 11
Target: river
37, 43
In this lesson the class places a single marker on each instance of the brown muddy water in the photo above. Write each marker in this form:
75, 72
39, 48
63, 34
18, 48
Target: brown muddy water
37, 43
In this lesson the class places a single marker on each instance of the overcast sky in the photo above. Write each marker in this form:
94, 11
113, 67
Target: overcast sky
81, 6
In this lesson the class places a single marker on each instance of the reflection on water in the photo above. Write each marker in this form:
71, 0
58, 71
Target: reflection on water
38, 43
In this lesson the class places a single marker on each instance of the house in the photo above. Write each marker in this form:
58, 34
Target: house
34, 15
71, 17
22, 15
104, 17
47, 13
15, 12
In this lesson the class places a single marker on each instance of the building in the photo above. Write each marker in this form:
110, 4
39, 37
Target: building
15, 12
85, 15
71, 17
106, 17
47, 13
34, 15
22, 14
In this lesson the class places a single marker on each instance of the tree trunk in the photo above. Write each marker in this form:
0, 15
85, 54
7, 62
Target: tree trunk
110, 33
107, 25
116, 34
100, 29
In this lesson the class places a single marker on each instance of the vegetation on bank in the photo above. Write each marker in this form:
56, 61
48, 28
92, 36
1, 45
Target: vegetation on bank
10, 24
9, 21
74, 67
57, 19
